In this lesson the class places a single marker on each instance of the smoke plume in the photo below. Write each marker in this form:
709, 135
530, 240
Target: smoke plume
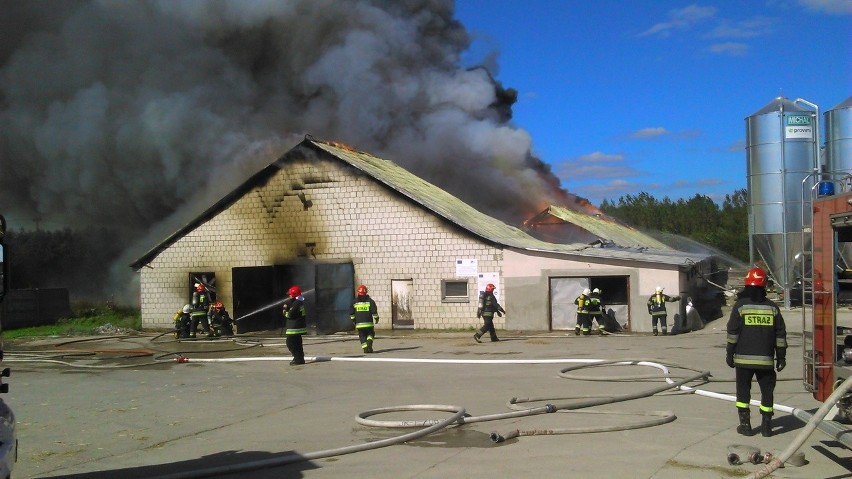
124, 113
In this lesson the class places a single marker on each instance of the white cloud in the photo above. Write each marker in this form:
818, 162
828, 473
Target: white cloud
729, 48
595, 166
599, 156
649, 132
681, 19
831, 7
755, 27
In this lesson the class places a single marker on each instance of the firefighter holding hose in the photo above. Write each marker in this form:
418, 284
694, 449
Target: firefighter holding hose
757, 342
296, 324
363, 315
657, 309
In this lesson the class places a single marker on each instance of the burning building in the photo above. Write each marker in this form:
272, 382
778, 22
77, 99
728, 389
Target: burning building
328, 217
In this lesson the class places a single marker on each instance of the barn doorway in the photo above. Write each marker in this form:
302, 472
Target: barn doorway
615, 293
327, 288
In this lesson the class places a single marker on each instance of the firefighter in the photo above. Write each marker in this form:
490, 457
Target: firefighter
200, 308
582, 303
182, 322
488, 305
363, 315
296, 324
657, 309
221, 323
757, 341
596, 310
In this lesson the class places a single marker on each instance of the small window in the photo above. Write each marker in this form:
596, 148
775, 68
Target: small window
454, 291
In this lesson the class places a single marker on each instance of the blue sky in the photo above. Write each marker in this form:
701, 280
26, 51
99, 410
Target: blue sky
628, 96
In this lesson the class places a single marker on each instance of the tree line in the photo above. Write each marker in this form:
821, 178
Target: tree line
724, 227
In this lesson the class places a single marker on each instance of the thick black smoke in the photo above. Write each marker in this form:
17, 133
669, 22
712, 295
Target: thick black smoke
122, 113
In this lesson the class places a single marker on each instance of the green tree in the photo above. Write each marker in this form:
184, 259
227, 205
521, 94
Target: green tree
723, 227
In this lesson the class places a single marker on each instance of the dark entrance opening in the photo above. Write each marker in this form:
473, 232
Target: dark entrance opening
328, 290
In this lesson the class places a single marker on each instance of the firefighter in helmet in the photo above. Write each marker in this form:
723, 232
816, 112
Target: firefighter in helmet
182, 322
596, 311
657, 309
221, 323
757, 342
363, 315
488, 305
200, 307
296, 324
582, 303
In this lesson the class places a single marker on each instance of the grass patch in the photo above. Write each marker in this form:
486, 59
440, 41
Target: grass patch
86, 319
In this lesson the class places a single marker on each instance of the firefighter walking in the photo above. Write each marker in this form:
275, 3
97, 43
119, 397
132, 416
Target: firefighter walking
757, 342
363, 315
657, 309
296, 324
488, 306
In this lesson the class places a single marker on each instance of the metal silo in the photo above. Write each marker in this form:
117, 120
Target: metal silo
781, 153
838, 138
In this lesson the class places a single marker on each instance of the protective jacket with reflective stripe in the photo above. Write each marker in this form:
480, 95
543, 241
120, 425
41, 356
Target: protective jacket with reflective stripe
364, 312
756, 334
657, 304
294, 315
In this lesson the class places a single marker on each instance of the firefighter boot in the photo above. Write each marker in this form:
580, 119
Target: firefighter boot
577, 331
765, 424
656, 332
745, 422
476, 336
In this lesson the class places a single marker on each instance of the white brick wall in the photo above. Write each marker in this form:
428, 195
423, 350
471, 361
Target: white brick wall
352, 218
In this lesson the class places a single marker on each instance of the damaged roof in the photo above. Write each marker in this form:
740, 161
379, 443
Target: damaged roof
433, 199
604, 228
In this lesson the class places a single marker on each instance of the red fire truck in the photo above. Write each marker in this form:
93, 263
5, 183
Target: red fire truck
826, 296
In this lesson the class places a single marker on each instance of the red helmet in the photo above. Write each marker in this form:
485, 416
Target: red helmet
362, 290
294, 291
489, 288
218, 305
755, 277
199, 287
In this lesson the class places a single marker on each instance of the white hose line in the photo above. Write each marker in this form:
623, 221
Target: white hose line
800, 438
322, 359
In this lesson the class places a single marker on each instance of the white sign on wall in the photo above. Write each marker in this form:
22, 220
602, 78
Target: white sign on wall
466, 267
482, 280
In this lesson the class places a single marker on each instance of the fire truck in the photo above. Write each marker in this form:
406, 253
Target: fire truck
8, 434
827, 297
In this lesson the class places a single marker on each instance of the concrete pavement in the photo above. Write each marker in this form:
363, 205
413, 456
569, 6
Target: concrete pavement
122, 407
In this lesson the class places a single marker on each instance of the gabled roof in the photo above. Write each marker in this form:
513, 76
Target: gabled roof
431, 198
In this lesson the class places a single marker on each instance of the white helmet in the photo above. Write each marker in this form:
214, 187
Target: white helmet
586, 291
659, 289
187, 308
596, 290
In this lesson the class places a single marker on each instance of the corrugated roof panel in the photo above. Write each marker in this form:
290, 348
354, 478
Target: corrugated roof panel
605, 229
